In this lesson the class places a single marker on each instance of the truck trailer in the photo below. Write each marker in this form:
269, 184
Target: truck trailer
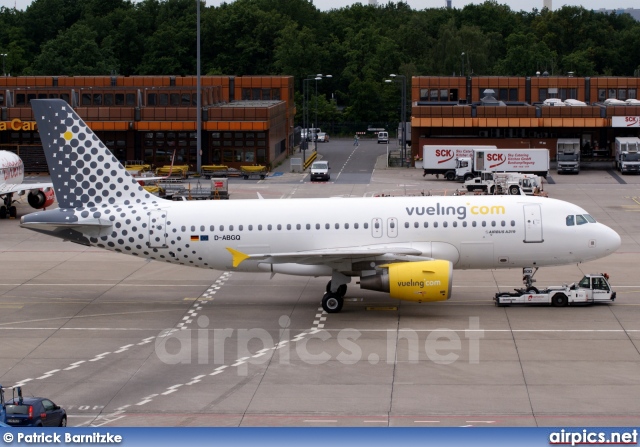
628, 155
568, 155
440, 159
525, 161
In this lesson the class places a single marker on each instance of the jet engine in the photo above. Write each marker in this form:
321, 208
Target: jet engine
41, 199
412, 281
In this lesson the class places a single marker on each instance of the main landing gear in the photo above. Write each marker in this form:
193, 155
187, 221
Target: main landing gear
332, 301
7, 209
527, 279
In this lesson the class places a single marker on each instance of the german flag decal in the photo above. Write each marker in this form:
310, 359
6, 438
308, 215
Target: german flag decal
195, 238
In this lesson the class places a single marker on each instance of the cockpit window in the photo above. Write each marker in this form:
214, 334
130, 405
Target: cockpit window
570, 220
580, 220
589, 218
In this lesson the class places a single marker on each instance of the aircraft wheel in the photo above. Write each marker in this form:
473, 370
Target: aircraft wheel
342, 289
332, 303
13, 212
559, 300
3, 212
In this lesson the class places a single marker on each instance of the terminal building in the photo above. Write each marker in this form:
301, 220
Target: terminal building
245, 120
524, 112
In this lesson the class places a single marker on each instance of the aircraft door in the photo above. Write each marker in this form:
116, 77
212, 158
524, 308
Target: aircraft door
532, 223
157, 229
392, 227
376, 227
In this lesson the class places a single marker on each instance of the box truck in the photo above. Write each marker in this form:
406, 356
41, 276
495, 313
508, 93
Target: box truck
568, 155
532, 161
628, 154
440, 159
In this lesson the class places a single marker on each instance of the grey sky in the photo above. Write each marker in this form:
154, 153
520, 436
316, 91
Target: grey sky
515, 5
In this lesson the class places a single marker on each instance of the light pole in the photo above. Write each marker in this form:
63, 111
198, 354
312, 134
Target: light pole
305, 112
4, 72
462, 64
403, 112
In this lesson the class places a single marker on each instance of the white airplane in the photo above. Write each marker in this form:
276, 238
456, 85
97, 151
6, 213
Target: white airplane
405, 246
11, 182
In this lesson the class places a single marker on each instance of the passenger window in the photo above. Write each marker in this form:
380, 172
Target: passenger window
193, 228
183, 228
416, 224
269, 227
580, 220
493, 223
298, 227
239, 227
455, 224
464, 223
355, 225
201, 227
503, 224
484, 223
366, 225
513, 223
221, 227
346, 226
230, 227
445, 224
473, 224
435, 225
426, 224
327, 226
260, 227
337, 226
250, 227
211, 228
393, 225
308, 226
377, 225
570, 221
279, 227
289, 226
406, 225
317, 226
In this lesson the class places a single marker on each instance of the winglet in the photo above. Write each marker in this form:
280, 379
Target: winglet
238, 256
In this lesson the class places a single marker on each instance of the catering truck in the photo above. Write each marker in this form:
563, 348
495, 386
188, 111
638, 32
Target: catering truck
591, 289
440, 159
525, 161
628, 155
568, 155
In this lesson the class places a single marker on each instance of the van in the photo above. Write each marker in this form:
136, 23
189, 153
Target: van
383, 137
320, 170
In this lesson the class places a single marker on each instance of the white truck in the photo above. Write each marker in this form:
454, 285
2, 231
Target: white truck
512, 183
591, 289
441, 159
628, 154
531, 161
568, 155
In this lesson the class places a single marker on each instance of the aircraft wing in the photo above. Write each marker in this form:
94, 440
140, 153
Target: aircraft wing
328, 256
8, 188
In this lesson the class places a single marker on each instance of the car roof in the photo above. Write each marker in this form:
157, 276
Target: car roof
26, 400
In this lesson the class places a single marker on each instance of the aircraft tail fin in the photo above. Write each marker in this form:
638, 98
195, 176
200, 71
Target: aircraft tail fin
85, 174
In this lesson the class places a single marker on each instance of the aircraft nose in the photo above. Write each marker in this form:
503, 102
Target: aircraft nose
610, 240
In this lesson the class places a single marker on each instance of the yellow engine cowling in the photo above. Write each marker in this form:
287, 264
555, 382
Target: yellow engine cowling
413, 281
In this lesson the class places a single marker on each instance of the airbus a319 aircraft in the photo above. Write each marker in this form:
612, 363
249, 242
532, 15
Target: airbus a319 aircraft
11, 182
406, 246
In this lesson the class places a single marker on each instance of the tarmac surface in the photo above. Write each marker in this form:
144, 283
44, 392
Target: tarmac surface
119, 341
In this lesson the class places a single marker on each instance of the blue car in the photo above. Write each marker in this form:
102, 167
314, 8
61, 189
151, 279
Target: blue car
34, 412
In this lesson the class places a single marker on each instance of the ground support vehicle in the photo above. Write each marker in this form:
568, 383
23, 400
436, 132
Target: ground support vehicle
501, 183
568, 155
30, 411
628, 155
529, 161
320, 171
593, 288
176, 171
209, 171
441, 159
253, 172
